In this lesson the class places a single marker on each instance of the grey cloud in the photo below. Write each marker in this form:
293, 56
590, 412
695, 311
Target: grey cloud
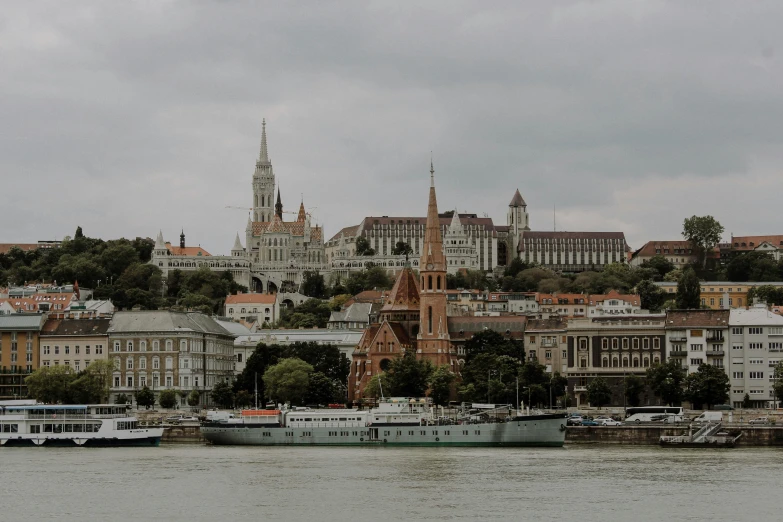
129, 117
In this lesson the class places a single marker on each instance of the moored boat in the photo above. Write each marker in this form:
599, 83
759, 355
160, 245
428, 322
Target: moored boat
72, 425
395, 421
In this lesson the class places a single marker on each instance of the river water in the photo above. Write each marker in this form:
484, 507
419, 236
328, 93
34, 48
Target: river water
579, 483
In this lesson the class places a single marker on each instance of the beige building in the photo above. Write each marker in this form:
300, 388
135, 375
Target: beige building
253, 307
611, 348
19, 341
74, 342
182, 351
547, 340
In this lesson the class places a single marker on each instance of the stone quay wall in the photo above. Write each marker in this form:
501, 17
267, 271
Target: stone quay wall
650, 435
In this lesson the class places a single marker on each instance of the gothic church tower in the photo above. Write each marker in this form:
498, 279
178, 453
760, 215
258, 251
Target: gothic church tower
433, 339
263, 183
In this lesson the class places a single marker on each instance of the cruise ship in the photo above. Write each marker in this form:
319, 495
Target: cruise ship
27, 423
395, 422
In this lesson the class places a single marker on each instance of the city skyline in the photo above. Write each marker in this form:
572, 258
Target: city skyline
129, 119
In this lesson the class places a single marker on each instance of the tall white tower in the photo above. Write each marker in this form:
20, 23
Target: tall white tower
517, 220
263, 183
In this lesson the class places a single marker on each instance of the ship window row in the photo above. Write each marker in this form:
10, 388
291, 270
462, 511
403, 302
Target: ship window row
70, 428
127, 425
10, 428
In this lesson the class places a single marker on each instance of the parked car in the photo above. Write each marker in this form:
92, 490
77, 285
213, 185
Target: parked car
589, 422
575, 419
709, 416
610, 422
601, 418
179, 419
760, 420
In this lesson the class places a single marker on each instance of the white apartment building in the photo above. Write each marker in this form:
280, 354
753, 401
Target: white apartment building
756, 346
696, 337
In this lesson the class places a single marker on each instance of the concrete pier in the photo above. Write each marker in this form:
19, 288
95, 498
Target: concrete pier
650, 435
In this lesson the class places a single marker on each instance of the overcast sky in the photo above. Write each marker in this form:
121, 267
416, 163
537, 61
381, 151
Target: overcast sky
130, 117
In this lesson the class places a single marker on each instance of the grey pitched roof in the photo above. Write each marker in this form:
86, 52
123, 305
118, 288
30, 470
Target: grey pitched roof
234, 328
164, 320
517, 200
22, 322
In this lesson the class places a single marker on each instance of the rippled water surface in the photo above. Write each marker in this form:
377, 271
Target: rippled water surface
190, 482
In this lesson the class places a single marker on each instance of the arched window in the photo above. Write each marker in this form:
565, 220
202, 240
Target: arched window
429, 313
429, 285
438, 282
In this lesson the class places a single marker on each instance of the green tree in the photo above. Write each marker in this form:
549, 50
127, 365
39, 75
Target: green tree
262, 358
313, 285
660, 264
122, 399
704, 232
167, 399
688, 291
746, 402
222, 394
363, 247
666, 381
408, 376
440, 383
492, 342
766, 293
288, 381
402, 249
753, 266
194, 398
374, 385
49, 384
243, 399
321, 390
634, 386
598, 392
337, 302
559, 386
145, 397
377, 279
708, 386
652, 297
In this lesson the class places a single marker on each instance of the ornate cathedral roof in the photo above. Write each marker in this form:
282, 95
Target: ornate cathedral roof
295, 228
404, 294
276, 225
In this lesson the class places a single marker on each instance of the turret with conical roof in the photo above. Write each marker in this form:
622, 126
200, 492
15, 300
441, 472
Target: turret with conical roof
279, 205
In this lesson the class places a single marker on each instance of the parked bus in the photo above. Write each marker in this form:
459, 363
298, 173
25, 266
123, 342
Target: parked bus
654, 413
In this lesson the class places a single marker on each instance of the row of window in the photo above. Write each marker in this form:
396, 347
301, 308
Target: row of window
634, 342
15, 357
47, 349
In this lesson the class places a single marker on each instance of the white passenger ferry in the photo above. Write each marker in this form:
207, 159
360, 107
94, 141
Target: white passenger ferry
28, 423
395, 421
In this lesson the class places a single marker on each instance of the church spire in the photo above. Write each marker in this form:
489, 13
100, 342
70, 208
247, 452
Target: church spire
433, 241
279, 205
182, 239
263, 156
302, 217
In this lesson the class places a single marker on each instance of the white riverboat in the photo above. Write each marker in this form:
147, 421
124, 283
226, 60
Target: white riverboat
395, 421
27, 423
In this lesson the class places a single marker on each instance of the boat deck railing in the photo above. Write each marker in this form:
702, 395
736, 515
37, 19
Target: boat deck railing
71, 416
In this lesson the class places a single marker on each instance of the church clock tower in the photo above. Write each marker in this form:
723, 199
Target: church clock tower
433, 339
263, 183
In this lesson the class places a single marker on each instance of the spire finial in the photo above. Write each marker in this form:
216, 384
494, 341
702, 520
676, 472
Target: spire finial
263, 156
432, 172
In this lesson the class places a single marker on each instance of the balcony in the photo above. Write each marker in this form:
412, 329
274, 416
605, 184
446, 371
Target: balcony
714, 338
715, 353
580, 389
678, 352
549, 344
678, 339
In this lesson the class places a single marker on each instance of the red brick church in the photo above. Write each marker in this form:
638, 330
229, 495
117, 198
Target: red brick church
413, 316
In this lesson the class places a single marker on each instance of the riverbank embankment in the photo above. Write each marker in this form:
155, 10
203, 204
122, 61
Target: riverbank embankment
650, 435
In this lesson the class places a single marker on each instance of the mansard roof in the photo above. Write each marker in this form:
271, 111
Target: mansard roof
404, 294
700, 318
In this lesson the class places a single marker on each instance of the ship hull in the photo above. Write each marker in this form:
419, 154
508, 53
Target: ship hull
533, 431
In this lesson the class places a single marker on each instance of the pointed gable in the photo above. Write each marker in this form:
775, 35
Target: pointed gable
517, 200
404, 294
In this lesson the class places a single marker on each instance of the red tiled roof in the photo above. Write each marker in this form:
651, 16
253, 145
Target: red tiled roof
752, 242
295, 228
187, 251
251, 298
614, 294
673, 247
706, 318
56, 302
